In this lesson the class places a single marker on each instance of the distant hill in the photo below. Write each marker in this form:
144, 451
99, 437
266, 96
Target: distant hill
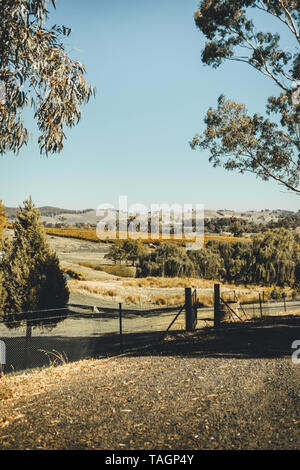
69, 217
48, 211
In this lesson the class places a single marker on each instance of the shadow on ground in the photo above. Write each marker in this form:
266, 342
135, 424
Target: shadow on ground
269, 338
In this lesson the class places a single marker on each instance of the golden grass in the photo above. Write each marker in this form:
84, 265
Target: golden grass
91, 287
117, 295
90, 234
159, 300
115, 269
132, 299
140, 291
167, 282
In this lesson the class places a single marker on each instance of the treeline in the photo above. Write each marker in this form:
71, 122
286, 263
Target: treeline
239, 226
235, 225
272, 258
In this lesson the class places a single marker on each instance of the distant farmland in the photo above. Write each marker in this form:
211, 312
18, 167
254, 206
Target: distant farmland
91, 235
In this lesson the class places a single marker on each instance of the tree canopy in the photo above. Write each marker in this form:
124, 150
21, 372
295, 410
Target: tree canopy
32, 278
3, 220
36, 71
270, 148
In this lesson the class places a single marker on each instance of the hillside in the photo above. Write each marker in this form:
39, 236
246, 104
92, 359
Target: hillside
69, 217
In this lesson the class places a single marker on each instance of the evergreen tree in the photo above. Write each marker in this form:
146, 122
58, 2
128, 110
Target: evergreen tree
2, 294
32, 276
3, 220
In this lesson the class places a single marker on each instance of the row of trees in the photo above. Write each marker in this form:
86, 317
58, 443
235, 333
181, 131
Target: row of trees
238, 226
272, 258
31, 278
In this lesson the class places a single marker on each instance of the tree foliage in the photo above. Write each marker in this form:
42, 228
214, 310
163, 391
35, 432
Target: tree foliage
116, 252
36, 71
165, 260
272, 258
238, 226
3, 221
237, 140
128, 250
275, 257
32, 276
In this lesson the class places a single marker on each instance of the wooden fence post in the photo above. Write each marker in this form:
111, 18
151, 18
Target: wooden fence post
260, 306
216, 305
188, 309
121, 327
284, 302
27, 344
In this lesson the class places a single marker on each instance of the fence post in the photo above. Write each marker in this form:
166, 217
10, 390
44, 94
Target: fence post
121, 327
27, 343
284, 302
216, 305
260, 306
188, 309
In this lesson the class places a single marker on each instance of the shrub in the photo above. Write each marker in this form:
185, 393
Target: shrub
159, 300
73, 274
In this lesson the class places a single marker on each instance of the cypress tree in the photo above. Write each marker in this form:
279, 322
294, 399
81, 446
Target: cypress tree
32, 276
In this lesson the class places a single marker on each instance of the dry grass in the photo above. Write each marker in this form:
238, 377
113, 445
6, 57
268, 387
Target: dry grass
91, 287
162, 291
176, 300
168, 282
159, 300
119, 270
35, 382
132, 299
115, 269
90, 234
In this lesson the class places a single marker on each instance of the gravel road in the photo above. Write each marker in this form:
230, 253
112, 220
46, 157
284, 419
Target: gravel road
176, 396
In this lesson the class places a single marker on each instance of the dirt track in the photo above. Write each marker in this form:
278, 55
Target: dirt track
239, 390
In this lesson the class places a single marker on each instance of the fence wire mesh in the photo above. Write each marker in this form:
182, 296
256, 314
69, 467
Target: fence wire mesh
81, 332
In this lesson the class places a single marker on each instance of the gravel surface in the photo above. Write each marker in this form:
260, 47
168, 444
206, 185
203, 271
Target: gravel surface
188, 393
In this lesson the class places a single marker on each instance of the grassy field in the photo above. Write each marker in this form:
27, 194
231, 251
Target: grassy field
164, 291
91, 235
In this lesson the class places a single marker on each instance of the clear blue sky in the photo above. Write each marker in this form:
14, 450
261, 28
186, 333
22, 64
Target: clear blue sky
153, 93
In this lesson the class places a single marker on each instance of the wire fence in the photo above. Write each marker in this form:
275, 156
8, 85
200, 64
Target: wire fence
36, 339
42, 338
267, 308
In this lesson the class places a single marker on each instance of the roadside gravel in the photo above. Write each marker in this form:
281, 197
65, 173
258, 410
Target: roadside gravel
163, 398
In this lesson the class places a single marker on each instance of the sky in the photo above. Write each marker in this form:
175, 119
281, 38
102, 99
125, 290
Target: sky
152, 95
